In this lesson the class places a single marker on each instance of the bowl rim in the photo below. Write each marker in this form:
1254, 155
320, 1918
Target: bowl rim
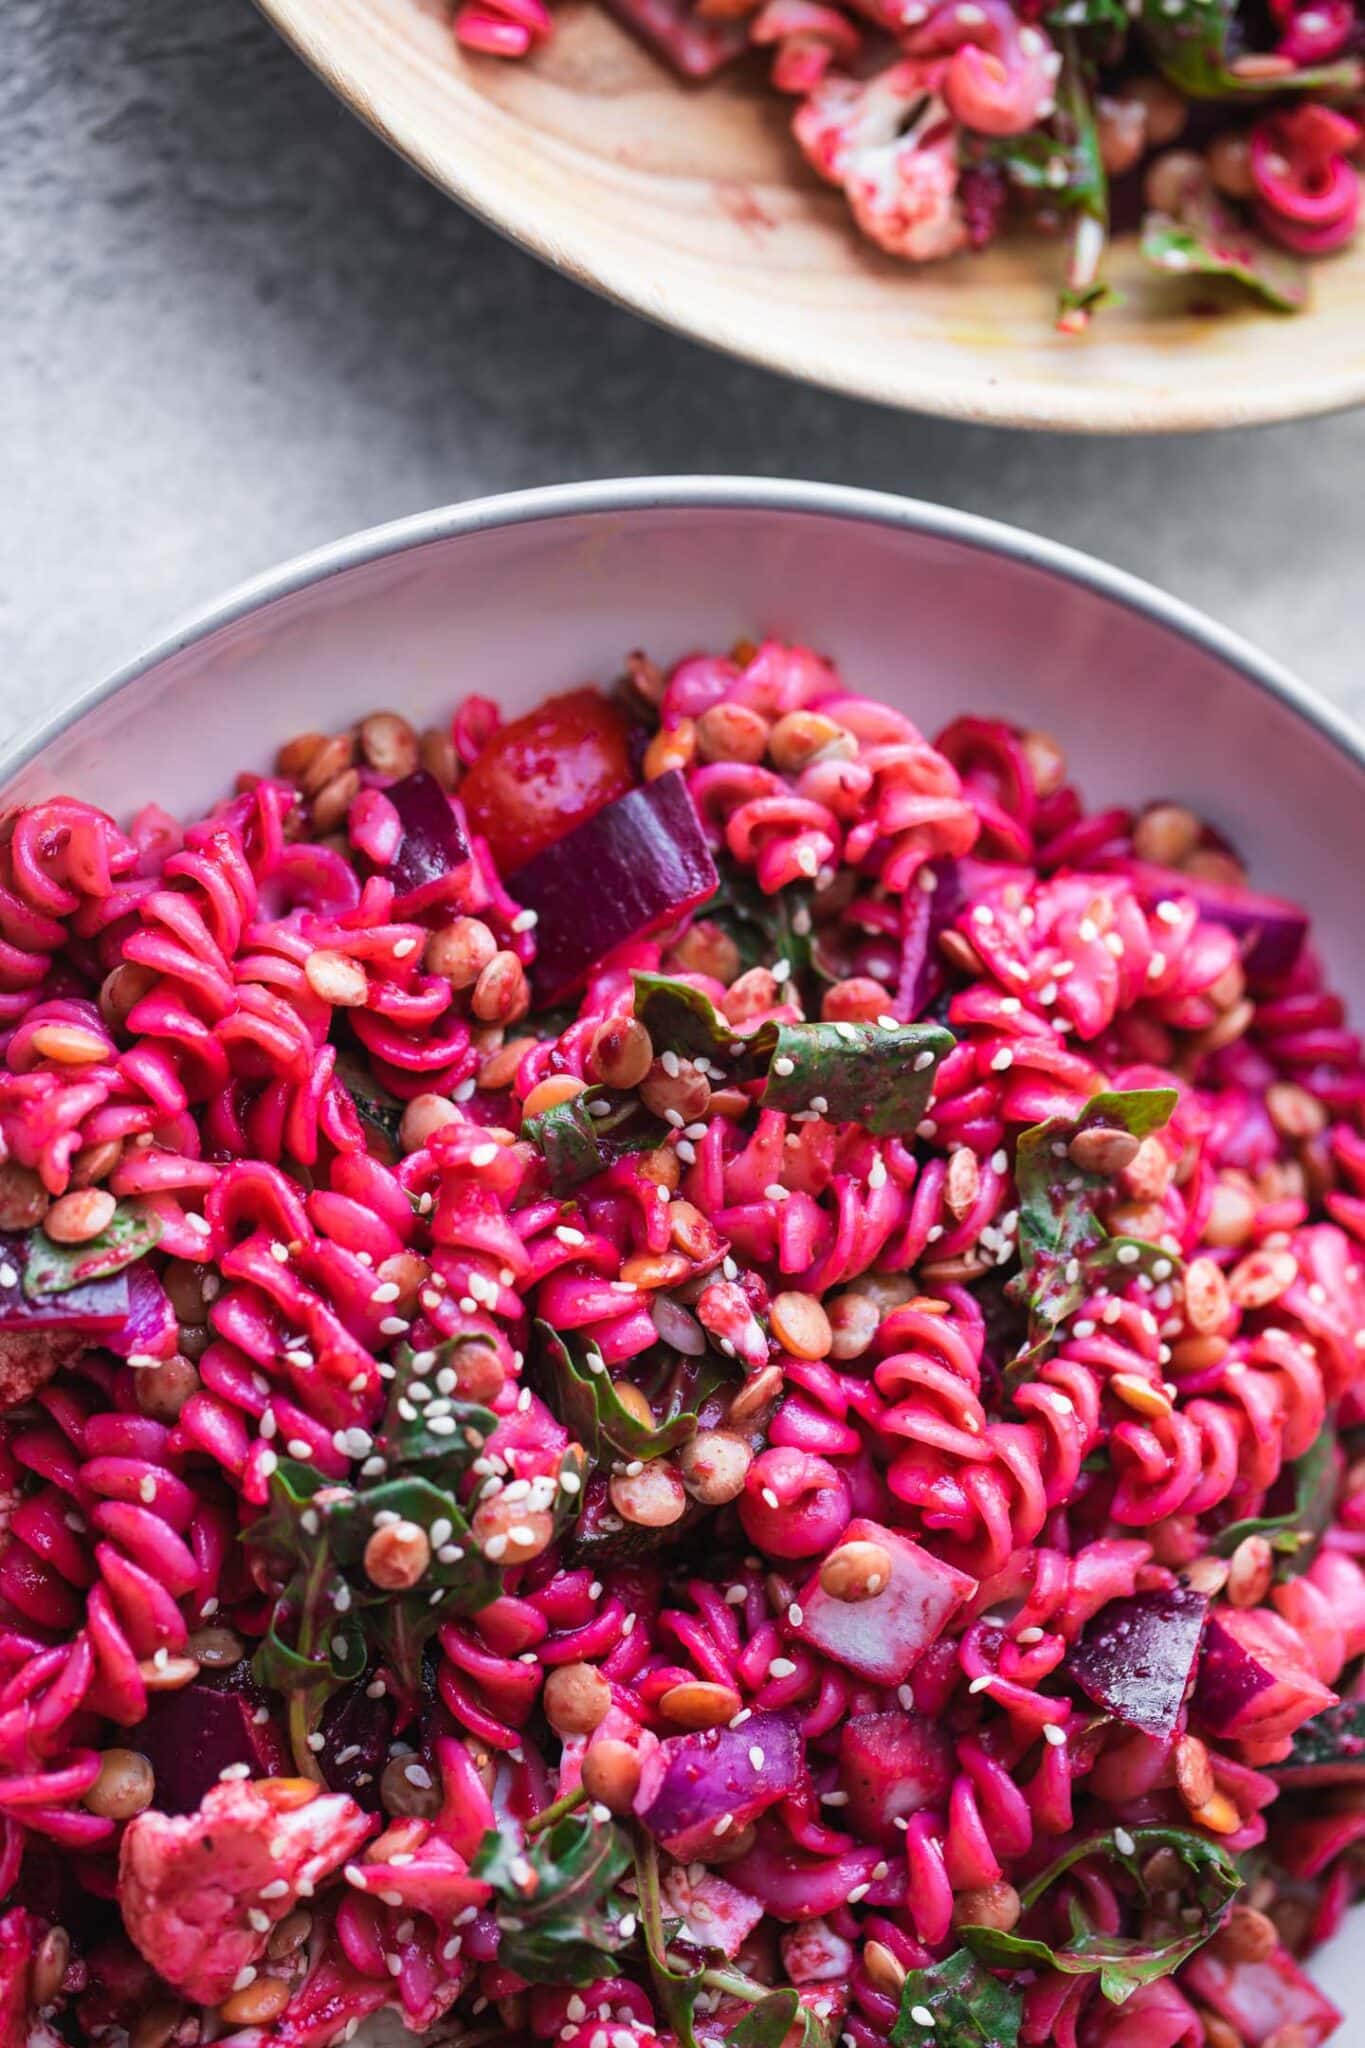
617, 495
1071, 406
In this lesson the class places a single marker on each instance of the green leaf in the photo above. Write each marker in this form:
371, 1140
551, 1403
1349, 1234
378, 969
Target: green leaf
970, 2008
1333, 1740
575, 1144
1120, 1962
378, 1111
411, 1438
767, 2024
553, 1898
676, 1991
1294, 1535
1191, 48
56, 1268
766, 929
852, 1073
585, 1398
1064, 1249
1109, 17
684, 1020
857, 1073
1208, 238
315, 1642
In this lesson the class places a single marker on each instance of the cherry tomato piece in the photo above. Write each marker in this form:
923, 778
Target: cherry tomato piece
545, 773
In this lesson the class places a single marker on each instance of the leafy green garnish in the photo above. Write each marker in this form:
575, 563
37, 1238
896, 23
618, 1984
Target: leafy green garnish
380, 1112
1334, 1737
767, 2024
575, 1144
879, 1076
1208, 238
1062, 165
315, 1643
585, 1398
1121, 1962
766, 929
675, 1990
1191, 49
971, 2009
1294, 1535
553, 1898
51, 1268
329, 1621
1064, 1249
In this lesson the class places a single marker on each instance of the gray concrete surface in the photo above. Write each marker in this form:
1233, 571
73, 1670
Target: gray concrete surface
234, 326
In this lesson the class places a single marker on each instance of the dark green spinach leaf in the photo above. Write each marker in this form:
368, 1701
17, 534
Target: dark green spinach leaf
968, 2007
51, 1268
1122, 1963
554, 1898
1207, 238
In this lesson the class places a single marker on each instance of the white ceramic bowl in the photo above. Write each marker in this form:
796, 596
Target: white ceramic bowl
936, 611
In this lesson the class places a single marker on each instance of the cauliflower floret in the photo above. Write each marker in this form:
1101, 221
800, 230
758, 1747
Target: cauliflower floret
201, 1892
891, 143
713, 1912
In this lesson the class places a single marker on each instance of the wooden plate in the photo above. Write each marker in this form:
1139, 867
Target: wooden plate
692, 205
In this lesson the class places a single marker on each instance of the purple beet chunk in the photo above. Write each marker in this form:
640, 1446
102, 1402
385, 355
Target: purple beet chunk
696, 47
691, 1781
37, 1338
1272, 930
151, 1319
433, 843
356, 1732
1138, 1655
639, 862
1230, 1678
190, 1737
891, 1765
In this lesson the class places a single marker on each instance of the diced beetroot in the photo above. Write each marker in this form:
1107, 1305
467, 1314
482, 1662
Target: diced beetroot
151, 1327
1253, 1685
636, 864
1257, 1999
356, 1732
433, 847
1273, 930
882, 1638
891, 1765
37, 1338
1137, 1657
691, 1781
692, 44
191, 1736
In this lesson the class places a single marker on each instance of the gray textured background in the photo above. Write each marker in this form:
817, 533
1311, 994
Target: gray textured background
235, 326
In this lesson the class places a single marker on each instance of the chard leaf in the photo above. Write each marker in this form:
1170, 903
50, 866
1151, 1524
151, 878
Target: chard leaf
315, 1643
51, 1268
684, 1020
553, 1898
1332, 1741
412, 1439
575, 1144
765, 928
585, 1398
970, 2008
1191, 49
862, 1073
1121, 1963
767, 2024
1208, 238
1294, 1535
379, 1112
1063, 1246
675, 1990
